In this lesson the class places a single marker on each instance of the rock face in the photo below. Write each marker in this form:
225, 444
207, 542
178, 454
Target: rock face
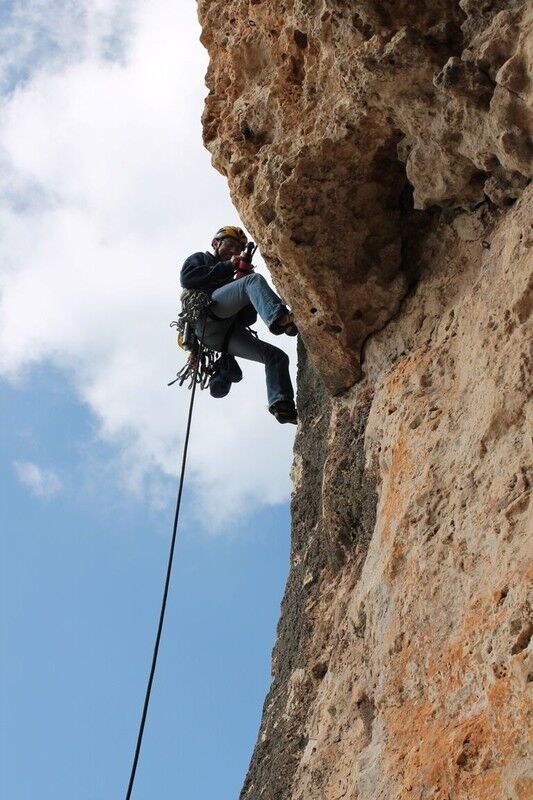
323, 115
380, 154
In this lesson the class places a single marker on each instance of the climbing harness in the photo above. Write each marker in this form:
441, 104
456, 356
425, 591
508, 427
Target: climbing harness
169, 570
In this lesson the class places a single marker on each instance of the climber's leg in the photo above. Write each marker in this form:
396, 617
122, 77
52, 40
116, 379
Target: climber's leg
278, 380
228, 300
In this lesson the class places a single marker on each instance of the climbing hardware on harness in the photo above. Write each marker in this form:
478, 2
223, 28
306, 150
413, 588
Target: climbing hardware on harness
199, 367
194, 303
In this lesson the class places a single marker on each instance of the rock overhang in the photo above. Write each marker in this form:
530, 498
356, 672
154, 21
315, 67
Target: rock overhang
335, 122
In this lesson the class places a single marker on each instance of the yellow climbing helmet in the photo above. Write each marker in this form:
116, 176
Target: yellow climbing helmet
232, 232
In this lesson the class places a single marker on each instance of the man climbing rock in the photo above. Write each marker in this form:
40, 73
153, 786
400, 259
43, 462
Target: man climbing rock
235, 305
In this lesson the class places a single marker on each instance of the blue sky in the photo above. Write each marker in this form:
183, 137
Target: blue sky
106, 188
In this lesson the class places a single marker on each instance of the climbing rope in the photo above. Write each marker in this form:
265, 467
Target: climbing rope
169, 569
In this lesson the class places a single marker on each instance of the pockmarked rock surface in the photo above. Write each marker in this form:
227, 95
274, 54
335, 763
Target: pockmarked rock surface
380, 153
327, 116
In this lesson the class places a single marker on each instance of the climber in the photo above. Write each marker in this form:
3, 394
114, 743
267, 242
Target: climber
235, 305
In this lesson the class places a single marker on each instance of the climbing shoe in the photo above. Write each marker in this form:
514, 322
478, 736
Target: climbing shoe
219, 386
284, 324
284, 411
227, 371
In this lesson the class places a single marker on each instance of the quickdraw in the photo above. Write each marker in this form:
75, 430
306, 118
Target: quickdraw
198, 369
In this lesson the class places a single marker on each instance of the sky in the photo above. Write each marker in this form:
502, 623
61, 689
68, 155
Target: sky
105, 188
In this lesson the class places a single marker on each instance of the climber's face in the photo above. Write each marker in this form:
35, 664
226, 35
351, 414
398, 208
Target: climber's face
226, 248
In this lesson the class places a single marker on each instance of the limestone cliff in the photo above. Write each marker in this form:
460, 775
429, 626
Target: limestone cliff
380, 153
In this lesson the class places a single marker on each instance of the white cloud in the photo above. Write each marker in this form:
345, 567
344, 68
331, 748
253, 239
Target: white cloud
53, 33
41, 482
107, 188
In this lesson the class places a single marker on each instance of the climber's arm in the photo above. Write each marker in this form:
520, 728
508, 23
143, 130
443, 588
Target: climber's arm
197, 273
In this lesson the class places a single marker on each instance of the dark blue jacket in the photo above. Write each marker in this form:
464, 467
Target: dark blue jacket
205, 271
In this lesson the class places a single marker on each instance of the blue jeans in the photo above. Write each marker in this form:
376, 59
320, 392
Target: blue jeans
228, 300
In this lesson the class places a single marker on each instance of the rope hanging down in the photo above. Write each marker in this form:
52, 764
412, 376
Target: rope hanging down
169, 569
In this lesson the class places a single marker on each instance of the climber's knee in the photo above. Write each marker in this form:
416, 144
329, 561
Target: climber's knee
280, 356
284, 357
253, 278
